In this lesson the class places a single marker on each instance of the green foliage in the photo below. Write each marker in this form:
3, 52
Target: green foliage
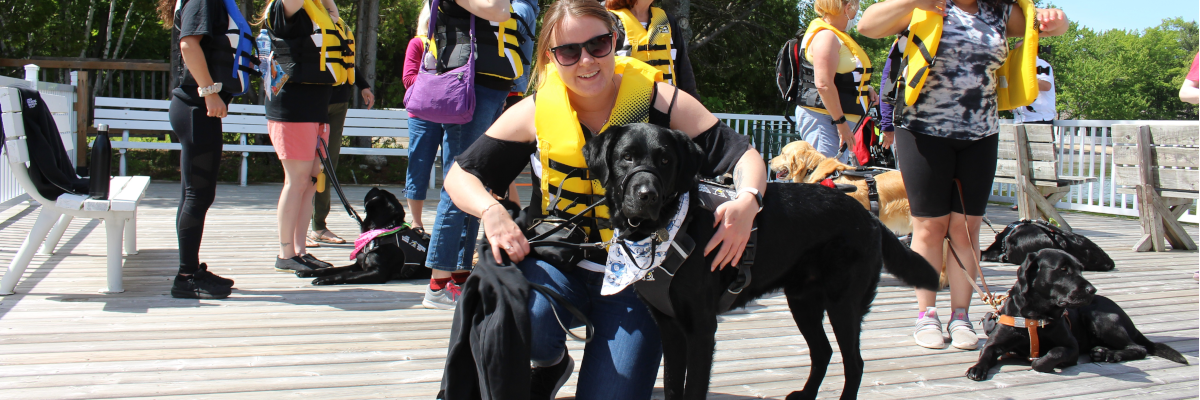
735, 71
1123, 75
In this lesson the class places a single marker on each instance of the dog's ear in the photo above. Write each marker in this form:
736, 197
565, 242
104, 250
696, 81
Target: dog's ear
597, 151
690, 157
1027, 274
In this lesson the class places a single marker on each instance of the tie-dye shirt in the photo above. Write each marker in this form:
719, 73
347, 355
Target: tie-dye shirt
959, 97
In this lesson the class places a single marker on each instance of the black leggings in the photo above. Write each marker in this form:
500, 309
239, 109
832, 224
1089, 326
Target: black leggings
929, 165
200, 136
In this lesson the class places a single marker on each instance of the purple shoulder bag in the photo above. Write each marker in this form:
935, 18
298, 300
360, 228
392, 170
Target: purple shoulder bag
446, 98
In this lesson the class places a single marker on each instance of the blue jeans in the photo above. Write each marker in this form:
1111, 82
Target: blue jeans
452, 242
621, 361
424, 137
818, 130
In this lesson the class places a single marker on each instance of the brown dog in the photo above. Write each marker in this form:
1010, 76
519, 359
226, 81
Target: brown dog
801, 163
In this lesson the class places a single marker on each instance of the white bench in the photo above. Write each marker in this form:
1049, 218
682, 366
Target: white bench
119, 212
126, 115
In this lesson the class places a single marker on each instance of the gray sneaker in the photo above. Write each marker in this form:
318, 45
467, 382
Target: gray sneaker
443, 299
929, 331
962, 333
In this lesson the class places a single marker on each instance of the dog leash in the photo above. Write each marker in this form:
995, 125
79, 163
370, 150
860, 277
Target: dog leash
985, 294
331, 174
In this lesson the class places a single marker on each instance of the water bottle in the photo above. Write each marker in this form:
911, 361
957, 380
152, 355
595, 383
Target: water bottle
264, 49
100, 170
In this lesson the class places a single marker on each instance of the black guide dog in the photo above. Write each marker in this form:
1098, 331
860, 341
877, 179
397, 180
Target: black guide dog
384, 259
821, 247
1021, 238
1050, 287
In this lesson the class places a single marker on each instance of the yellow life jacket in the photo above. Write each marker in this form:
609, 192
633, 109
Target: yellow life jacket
652, 45
560, 140
1016, 84
506, 62
852, 87
326, 56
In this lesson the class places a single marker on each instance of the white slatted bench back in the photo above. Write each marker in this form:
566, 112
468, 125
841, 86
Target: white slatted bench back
124, 115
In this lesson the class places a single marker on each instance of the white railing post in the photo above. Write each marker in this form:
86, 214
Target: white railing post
31, 75
245, 163
124, 137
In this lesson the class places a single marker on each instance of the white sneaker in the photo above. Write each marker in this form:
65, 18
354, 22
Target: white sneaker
929, 331
962, 333
443, 299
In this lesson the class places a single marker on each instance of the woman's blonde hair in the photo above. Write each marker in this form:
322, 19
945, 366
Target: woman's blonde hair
423, 20
553, 20
831, 8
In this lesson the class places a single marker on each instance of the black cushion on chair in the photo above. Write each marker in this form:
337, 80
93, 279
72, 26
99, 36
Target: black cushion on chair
50, 168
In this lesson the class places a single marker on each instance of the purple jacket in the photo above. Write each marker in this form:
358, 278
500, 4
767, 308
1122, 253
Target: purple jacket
885, 108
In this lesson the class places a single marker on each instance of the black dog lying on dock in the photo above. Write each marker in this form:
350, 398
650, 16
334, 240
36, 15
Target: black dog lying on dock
1052, 313
821, 247
1022, 238
385, 258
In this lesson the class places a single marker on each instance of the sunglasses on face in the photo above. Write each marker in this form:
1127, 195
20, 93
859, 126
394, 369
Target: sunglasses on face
568, 54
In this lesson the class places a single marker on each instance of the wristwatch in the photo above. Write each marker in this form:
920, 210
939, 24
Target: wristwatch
214, 89
753, 191
841, 120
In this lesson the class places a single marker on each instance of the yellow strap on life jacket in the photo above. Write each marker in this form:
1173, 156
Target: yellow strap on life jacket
1016, 80
860, 56
657, 34
560, 138
508, 44
335, 39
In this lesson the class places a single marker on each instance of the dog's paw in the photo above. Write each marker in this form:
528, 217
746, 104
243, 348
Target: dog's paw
1043, 365
1104, 354
306, 274
977, 373
324, 280
800, 395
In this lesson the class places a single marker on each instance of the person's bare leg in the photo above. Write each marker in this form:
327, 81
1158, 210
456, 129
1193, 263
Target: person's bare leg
306, 209
966, 245
297, 180
414, 209
927, 238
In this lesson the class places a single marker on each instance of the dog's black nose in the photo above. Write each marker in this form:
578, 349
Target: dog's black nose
1091, 289
647, 193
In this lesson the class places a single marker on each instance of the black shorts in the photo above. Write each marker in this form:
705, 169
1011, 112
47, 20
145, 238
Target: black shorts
930, 164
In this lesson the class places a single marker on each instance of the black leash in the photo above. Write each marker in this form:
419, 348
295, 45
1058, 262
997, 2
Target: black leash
555, 297
331, 176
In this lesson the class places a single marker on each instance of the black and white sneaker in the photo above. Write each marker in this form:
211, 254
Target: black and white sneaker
544, 382
194, 287
203, 274
312, 260
294, 264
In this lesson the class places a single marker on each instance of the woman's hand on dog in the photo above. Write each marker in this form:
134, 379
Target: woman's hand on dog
734, 221
504, 235
845, 137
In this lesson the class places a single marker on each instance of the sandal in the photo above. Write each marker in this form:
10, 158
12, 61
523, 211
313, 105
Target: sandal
327, 237
309, 242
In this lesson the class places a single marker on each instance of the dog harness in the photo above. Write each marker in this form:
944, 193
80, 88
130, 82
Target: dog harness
915, 51
655, 288
868, 174
560, 136
366, 237
1031, 325
651, 44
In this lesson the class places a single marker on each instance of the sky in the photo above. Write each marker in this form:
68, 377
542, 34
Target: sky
1101, 15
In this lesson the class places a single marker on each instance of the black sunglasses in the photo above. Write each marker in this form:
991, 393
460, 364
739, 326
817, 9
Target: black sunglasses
568, 54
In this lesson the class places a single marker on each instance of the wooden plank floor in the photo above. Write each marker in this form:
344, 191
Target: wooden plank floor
279, 337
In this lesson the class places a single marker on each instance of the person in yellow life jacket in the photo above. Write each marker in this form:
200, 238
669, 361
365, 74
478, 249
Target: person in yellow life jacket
955, 53
651, 35
583, 89
835, 79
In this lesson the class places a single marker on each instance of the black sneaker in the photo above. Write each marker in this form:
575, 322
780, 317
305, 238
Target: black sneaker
294, 264
315, 262
203, 274
192, 287
544, 382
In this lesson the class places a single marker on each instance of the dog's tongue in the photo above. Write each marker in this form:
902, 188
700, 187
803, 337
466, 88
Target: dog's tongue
781, 175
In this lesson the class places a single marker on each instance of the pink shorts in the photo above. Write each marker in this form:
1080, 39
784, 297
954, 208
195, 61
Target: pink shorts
297, 140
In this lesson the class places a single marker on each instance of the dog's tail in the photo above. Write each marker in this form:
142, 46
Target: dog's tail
905, 264
1158, 349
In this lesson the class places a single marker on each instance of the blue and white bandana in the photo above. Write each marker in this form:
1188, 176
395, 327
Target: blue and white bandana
620, 271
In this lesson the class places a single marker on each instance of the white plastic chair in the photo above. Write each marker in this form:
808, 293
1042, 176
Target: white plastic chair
119, 212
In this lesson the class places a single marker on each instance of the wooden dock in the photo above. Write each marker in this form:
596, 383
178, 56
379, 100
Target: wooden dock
279, 337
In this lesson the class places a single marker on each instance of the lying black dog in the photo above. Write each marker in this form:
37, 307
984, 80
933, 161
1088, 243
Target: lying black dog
1067, 315
384, 259
1021, 238
821, 247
